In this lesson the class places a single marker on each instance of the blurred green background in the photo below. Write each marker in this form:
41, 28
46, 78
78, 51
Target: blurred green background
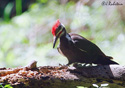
25, 29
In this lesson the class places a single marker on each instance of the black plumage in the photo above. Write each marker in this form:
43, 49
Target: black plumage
77, 48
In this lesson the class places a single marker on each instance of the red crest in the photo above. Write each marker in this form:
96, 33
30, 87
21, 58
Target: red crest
55, 26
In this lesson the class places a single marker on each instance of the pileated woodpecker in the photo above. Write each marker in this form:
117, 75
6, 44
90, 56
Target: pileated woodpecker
77, 48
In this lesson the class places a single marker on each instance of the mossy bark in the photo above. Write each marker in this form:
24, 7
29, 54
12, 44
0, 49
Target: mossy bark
32, 76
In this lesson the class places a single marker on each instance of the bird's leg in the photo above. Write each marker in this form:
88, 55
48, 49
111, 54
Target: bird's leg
61, 65
70, 63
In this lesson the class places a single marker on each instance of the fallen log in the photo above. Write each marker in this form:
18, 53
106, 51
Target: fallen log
32, 76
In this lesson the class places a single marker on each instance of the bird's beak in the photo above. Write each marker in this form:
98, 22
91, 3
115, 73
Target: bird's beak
55, 40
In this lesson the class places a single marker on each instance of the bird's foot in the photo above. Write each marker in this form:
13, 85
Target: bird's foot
63, 65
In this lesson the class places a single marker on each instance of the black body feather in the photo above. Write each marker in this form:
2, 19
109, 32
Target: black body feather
78, 49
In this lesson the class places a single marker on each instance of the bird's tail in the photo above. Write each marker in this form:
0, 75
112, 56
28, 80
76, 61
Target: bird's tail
109, 57
107, 61
110, 62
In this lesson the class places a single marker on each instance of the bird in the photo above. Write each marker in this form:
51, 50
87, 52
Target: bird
78, 49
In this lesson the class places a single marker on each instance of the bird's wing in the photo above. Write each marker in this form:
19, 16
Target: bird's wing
84, 44
80, 42
91, 49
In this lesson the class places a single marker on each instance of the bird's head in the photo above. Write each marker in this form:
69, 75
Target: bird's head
57, 30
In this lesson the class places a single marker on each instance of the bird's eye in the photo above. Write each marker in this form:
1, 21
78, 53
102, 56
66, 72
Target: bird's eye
60, 27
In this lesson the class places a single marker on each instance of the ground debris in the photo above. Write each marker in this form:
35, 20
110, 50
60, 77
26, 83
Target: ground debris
23, 74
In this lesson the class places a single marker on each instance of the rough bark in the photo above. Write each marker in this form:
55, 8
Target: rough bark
32, 76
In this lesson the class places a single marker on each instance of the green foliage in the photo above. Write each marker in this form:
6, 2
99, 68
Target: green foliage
7, 11
42, 1
18, 7
6, 86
